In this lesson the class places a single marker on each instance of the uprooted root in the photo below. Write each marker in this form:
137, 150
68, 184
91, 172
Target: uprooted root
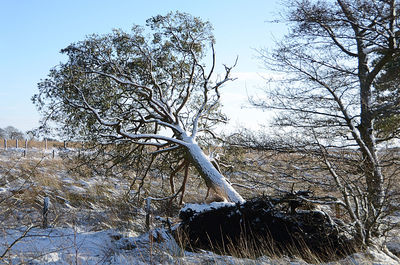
262, 227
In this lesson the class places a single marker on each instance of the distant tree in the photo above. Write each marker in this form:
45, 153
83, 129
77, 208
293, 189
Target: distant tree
339, 96
149, 87
13, 133
3, 133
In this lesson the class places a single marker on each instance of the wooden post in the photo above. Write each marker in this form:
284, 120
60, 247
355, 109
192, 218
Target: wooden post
45, 144
16, 143
148, 202
65, 144
54, 153
46, 203
5, 144
26, 147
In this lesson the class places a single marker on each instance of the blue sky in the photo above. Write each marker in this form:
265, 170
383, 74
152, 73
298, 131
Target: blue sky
33, 33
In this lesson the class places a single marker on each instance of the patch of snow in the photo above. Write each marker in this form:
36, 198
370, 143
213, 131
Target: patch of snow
70, 246
371, 256
198, 208
4, 190
76, 189
68, 180
84, 183
59, 245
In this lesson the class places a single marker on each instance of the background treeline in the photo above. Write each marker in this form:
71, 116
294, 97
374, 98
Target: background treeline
13, 133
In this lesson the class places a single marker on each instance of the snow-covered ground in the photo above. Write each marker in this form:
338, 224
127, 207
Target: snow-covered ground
71, 246
85, 233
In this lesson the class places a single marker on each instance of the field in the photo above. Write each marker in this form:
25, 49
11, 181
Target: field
96, 218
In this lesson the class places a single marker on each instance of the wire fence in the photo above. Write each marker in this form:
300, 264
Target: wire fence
24, 145
29, 144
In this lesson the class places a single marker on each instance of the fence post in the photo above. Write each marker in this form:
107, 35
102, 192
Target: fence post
16, 143
148, 210
65, 144
54, 153
46, 203
5, 144
26, 147
45, 144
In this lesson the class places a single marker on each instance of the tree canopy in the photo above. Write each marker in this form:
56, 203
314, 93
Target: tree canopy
140, 82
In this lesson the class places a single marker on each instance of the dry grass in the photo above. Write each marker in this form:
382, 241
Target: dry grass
75, 200
256, 173
253, 250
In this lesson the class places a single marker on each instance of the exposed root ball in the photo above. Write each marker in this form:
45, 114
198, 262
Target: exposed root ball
262, 227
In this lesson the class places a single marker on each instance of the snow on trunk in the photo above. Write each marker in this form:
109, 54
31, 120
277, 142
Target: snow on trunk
210, 174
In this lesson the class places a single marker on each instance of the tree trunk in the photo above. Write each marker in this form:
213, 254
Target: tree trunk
372, 169
371, 165
210, 174
374, 180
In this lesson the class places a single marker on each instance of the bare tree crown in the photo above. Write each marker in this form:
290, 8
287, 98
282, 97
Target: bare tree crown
335, 63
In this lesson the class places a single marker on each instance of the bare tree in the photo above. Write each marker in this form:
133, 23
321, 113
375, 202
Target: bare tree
11, 132
331, 61
3, 133
149, 87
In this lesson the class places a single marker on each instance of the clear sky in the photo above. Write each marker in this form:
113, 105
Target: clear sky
33, 32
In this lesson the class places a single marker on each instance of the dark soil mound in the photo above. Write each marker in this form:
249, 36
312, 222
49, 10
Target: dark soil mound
263, 226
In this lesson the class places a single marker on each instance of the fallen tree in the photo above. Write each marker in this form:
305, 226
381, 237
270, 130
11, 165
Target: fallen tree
147, 88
